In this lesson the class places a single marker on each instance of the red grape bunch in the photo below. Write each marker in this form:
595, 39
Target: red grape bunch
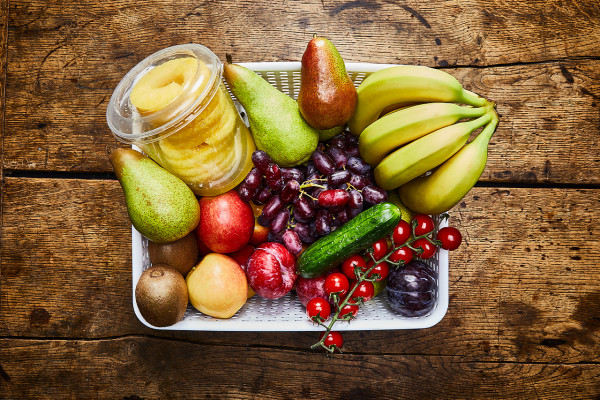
306, 202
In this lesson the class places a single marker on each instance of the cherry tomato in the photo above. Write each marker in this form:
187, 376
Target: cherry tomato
450, 238
318, 306
428, 248
404, 253
336, 283
365, 289
349, 309
424, 224
382, 269
333, 340
401, 233
349, 264
380, 249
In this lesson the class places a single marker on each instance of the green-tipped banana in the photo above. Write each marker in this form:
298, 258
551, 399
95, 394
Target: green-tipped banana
424, 154
451, 181
400, 127
406, 84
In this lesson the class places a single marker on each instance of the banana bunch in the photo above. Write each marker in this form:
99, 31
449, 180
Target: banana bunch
413, 124
452, 180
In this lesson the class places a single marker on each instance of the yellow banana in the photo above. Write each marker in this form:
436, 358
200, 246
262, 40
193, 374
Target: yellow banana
395, 107
400, 127
451, 181
424, 154
406, 84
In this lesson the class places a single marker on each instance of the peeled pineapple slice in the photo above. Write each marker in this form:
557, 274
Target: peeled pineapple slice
161, 85
210, 152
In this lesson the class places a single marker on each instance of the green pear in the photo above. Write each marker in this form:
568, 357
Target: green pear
327, 96
160, 205
326, 134
275, 120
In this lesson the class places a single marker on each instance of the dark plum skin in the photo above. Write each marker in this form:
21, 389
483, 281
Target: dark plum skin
411, 304
309, 288
411, 289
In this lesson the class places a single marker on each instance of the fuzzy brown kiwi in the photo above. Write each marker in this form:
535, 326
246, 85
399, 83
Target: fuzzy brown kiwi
181, 254
161, 295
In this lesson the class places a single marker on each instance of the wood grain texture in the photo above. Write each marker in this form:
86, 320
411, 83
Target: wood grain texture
443, 33
549, 126
150, 368
65, 59
520, 287
3, 62
524, 315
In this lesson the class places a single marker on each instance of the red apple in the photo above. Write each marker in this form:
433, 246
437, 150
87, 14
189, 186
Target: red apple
226, 222
271, 270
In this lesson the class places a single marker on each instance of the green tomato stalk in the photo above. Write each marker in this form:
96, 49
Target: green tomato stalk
366, 276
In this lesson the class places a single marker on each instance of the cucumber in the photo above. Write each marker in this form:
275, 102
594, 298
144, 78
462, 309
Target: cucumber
357, 234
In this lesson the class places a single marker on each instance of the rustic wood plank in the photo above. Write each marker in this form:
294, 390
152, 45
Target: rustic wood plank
549, 121
72, 247
3, 62
443, 33
137, 368
521, 288
65, 59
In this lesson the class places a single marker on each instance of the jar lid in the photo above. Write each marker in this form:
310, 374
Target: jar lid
129, 126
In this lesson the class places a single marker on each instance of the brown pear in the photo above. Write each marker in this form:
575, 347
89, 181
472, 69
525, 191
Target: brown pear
327, 95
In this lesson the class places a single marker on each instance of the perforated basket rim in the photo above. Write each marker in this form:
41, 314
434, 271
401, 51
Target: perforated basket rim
261, 315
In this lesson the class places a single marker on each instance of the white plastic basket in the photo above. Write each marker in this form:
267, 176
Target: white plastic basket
287, 313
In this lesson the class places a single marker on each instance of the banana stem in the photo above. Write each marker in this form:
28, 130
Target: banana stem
476, 123
473, 98
472, 112
486, 134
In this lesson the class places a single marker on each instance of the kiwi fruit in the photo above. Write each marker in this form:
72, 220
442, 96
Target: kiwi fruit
181, 254
161, 295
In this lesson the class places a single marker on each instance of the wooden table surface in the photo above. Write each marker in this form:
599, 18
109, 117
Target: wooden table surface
524, 314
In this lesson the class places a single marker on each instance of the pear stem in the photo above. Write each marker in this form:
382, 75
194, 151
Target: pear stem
228, 58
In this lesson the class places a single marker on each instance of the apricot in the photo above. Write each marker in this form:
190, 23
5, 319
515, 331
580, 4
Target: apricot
217, 286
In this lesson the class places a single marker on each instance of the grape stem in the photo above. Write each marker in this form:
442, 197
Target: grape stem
310, 183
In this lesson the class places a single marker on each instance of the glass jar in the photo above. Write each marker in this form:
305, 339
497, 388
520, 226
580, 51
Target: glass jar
174, 106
